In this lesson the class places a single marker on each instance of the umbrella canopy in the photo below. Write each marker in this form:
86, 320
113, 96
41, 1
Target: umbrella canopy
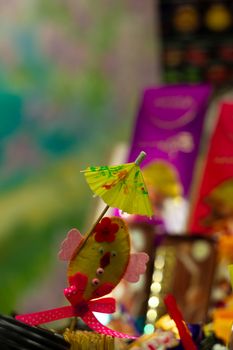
121, 187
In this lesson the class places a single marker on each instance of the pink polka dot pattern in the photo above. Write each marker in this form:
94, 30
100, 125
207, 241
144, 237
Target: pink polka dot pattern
37, 318
81, 308
90, 319
105, 305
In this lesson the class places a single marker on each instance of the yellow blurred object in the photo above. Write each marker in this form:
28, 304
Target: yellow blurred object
163, 178
167, 324
225, 247
229, 301
230, 268
84, 340
208, 329
222, 323
218, 18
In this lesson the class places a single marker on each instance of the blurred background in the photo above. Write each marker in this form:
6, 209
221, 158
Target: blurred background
70, 76
78, 84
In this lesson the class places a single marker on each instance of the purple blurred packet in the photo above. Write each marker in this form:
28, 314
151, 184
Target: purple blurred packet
168, 128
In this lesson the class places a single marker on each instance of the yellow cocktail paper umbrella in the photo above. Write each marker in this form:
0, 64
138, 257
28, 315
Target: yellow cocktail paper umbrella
121, 187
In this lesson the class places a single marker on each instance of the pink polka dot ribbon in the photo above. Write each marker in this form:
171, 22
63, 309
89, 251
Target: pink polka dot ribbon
84, 310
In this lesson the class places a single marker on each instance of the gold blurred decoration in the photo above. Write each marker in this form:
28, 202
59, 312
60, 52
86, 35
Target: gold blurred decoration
167, 324
222, 323
84, 340
219, 200
162, 182
218, 18
186, 19
160, 284
225, 248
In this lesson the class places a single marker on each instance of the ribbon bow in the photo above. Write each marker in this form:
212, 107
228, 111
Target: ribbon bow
78, 308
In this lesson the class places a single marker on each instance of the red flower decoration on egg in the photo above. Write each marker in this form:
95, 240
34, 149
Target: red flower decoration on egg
105, 230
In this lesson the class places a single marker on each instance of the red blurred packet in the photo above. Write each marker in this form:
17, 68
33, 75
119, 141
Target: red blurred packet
176, 315
213, 210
